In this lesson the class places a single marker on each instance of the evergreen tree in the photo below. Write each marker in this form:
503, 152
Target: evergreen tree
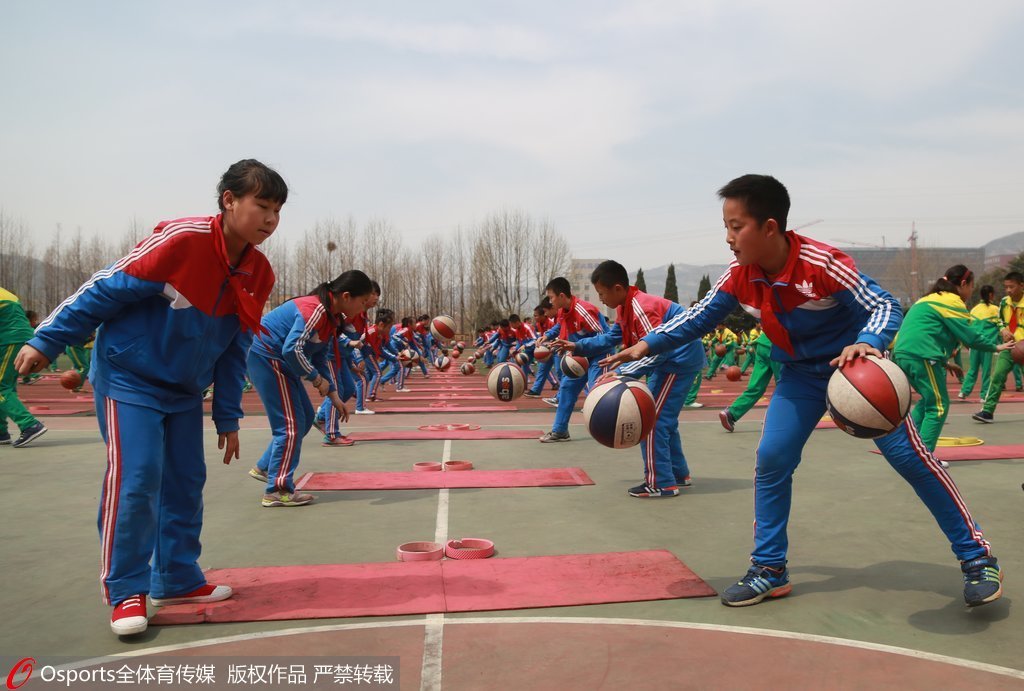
641, 284
671, 289
704, 287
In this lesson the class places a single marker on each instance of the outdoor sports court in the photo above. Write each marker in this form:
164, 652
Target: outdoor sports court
589, 588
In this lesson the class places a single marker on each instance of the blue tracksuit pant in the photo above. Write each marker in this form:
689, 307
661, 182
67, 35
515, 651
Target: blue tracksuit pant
796, 406
290, 415
662, 449
347, 388
151, 502
544, 373
569, 390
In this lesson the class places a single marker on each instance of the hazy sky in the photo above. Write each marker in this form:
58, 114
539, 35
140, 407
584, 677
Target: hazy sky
617, 121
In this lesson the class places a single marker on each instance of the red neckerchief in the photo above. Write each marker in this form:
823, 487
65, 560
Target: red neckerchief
770, 323
249, 310
570, 320
628, 318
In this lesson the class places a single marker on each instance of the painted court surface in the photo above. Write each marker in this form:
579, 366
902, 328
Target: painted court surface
876, 596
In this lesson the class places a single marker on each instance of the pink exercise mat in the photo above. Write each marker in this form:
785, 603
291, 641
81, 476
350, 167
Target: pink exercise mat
394, 588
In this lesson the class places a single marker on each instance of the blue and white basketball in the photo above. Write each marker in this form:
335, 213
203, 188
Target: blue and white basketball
619, 413
522, 359
506, 382
442, 363
574, 366
467, 368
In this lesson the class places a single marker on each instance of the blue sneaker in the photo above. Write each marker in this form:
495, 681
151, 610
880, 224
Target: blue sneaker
5, 438
30, 434
982, 581
760, 582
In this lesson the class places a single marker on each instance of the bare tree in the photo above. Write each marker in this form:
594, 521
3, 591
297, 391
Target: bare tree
550, 254
505, 252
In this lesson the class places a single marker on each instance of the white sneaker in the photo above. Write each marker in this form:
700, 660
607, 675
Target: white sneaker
403, 390
693, 405
944, 464
365, 411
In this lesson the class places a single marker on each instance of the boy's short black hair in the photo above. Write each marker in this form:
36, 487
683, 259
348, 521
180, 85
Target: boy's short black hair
545, 304
514, 318
764, 196
610, 273
1014, 276
559, 286
504, 323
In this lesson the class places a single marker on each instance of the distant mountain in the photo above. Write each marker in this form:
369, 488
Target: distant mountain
687, 278
1008, 244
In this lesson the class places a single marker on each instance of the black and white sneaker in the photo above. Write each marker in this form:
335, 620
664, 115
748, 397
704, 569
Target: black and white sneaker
531, 394
30, 434
550, 437
980, 416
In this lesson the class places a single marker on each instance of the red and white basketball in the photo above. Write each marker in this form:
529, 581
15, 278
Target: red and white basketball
619, 413
461, 345
442, 327
522, 359
405, 355
443, 363
506, 382
541, 353
456, 353
869, 397
574, 366
467, 368
471, 359
721, 349
732, 373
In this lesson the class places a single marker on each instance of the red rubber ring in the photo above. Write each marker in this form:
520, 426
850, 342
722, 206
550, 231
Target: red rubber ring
469, 548
428, 466
458, 465
419, 551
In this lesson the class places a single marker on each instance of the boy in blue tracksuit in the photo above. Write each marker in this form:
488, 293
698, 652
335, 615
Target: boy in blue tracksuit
299, 341
669, 375
577, 319
175, 314
819, 312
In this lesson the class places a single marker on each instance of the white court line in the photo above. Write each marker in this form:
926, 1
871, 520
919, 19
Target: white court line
593, 621
433, 634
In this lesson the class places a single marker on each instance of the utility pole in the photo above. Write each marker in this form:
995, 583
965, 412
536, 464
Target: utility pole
915, 275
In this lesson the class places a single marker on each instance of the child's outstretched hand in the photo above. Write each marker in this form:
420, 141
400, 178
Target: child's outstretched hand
322, 385
855, 350
29, 360
561, 344
626, 355
1006, 345
229, 440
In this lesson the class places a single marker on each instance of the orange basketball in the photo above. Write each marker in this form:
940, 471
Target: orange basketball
721, 349
71, 379
732, 373
1017, 352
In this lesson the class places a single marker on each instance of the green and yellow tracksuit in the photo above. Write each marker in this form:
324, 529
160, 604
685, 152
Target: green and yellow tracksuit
722, 337
931, 331
14, 332
1010, 311
764, 369
980, 360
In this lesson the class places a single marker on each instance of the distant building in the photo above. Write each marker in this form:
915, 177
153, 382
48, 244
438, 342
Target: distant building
892, 267
579, 278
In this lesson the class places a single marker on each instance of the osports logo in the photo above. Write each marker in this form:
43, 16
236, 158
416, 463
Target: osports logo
22, 666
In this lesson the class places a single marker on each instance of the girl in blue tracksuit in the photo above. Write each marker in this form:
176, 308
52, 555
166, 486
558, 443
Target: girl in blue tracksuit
820, 312
175, 315
299, 340
668, 375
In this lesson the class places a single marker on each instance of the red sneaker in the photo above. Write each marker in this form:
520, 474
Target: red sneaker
206, 593
339, 441
129, 616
